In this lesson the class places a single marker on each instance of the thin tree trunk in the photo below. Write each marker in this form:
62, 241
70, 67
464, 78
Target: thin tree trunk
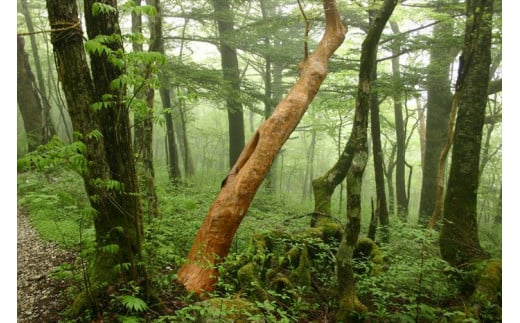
400, 132
381, 209
389, 174
348, 301
265, 7
214, 238
174, 172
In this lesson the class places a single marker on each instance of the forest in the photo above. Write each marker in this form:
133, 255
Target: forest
259, 161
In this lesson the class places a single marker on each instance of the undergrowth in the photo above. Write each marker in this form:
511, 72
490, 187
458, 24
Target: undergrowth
414, 284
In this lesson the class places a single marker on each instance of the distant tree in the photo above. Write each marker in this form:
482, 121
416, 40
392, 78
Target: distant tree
28, 98
400, 131
48, 126
104, 128
442, 54
214, 238
231, 74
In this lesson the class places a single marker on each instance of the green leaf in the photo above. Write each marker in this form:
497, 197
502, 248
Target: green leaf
111, 249
98, 8
94, 47
133, 303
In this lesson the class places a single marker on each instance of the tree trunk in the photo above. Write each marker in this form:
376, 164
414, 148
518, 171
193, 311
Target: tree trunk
28, 99
348, 301
174, 172
400, 131
238, 189
48, 127
438, 109
231, 75
459, 241
111, 179
143, 124
381, 209
389, 174
266, 8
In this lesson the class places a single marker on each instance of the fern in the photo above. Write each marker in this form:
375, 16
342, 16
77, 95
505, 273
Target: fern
99, 8
133, 303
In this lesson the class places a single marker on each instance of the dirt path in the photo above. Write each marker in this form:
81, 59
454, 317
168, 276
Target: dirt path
40, 298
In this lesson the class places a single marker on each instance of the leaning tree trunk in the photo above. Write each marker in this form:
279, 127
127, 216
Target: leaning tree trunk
231, 75
459, 242
348, 301
438, 111
214, 238
28, 99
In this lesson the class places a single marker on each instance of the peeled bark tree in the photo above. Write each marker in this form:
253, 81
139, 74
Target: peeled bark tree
459, 241
214, 238
28, 99
110, 177
348, 301
231, 75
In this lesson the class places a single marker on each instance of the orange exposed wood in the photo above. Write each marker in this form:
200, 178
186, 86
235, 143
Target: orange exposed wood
214, 238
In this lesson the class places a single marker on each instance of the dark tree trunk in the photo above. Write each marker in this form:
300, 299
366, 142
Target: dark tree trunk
174, 171
438, 109
111, 180
381, 209
231, 74
400, 132
459, 242
348, 301
28, 99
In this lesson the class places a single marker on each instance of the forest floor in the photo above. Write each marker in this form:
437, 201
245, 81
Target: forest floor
40, 298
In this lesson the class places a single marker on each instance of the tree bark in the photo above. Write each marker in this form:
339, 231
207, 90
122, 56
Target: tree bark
438, 108
28, 99
214, 238
459, 241
174, 172
381, 209
231, 75
348, 301
110, 179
